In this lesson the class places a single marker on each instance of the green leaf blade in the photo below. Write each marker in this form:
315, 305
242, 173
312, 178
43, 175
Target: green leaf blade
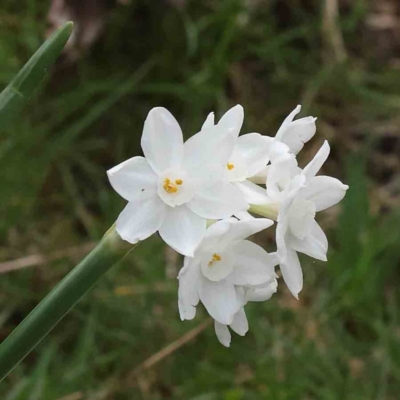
21, 88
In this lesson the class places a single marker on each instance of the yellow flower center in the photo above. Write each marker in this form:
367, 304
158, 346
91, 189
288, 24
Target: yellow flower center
171, 187
215, 257
230, 166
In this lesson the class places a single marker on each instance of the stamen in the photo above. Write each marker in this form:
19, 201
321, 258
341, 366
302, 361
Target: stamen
178, 181
215, 257
230, 166
169, 187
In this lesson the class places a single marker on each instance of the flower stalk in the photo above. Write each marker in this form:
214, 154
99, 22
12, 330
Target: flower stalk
34, 328
265, 210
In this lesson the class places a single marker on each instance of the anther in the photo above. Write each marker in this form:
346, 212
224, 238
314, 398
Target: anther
215, 257
230, 166
169, 187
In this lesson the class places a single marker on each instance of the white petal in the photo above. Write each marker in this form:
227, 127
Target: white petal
262, 293
133, 179
219, 299
209, 122
206, 155
299, 132
324, 192
232, 121
315, 244
162, 140
282, 229
183, 230
280, 176
292, 273
286, 123
278, 151
223, 334
214, 235
253, 265
301, 217
141, 218
261, 177
240, 230
239, 323
317, 162
297, 183
188, 296
241, 295
221, 200
253, 194
238, 168
254, 151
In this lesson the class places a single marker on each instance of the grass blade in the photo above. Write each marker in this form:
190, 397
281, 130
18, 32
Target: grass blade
21, 88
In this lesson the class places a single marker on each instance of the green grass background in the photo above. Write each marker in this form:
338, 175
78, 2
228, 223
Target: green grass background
341, 340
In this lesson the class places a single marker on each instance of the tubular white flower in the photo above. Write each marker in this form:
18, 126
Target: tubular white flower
224, 268
301, 194
178, 185
295, 133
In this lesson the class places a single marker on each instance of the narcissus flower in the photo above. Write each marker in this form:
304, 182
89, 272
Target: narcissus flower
224, 270
178, 186
302, 195
250, 155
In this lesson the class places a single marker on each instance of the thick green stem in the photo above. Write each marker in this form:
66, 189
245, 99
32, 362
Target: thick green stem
27, 335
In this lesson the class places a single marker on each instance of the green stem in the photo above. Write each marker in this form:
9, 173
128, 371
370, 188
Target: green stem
31, 331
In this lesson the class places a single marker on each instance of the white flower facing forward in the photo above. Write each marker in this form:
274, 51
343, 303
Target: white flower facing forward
249, 156
302, 195
178, 186
223, 270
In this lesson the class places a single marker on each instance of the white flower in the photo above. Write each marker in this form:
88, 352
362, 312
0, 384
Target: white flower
301, 195
249, 156
177, 186
239, 324
224, 268
288, 141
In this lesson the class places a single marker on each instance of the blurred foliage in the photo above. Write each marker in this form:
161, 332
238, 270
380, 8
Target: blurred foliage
342, 339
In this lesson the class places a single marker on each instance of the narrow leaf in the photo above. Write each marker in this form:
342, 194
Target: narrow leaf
21, 88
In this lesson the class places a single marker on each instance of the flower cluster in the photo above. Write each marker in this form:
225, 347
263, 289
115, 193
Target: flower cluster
202, 197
